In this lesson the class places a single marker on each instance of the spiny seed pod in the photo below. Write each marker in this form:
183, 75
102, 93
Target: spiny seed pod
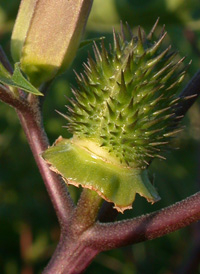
122, 117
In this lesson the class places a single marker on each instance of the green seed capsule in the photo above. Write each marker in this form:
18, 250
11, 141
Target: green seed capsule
117, 134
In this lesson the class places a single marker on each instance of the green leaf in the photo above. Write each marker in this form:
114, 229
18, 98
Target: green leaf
17, 80
22, 83
87, 42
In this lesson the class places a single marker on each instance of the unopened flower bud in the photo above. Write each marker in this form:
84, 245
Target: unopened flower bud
46, 36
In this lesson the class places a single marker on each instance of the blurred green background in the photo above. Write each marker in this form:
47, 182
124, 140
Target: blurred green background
28, 226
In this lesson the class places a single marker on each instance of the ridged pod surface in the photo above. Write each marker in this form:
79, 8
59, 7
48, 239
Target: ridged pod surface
124, 109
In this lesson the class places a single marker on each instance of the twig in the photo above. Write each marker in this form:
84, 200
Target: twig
73, 254
30, 116
192, 91
31, 122
6, 96
150, 226
76, 251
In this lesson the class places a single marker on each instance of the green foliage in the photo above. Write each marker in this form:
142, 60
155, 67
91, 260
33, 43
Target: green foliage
17, 80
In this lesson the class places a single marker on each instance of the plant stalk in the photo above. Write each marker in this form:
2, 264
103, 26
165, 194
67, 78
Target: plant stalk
85, 214
146, 227
72, 256
74, 253
31, 122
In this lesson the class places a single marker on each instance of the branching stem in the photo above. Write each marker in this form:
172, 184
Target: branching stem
75, 251
147, 227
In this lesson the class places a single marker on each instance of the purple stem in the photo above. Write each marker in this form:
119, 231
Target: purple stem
72, 256
32, 124
74, 253
9, 98
146, 227
30, 116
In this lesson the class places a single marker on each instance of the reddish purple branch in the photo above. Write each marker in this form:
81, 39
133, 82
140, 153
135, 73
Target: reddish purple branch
72, 256
147, 227
55, 186
30, 117
8, 97
75, 252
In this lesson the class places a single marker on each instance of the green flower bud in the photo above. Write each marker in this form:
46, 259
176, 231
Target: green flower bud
46, 36
123, 117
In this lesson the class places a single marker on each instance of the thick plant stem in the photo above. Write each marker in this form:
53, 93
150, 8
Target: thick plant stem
146, 227
74, 253
72, 256
8, 97
32, 124
31, 120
